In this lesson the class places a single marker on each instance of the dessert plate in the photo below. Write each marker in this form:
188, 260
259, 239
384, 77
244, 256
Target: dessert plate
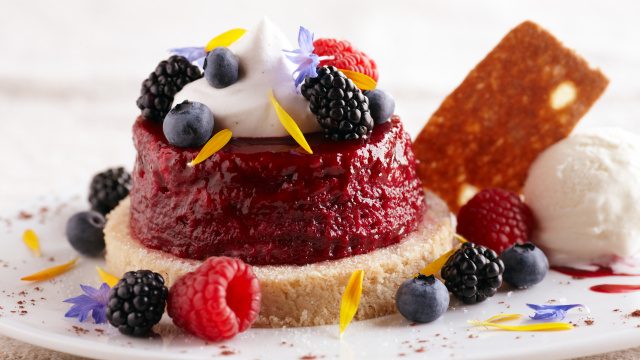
34, 313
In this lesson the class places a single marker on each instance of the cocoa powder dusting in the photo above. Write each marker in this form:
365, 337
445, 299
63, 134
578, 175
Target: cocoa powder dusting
23, 215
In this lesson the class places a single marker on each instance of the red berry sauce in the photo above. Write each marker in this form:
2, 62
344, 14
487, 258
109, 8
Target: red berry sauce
615, 288
265, 201
601, 271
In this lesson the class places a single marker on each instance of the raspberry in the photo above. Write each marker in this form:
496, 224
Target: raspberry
216, 301
345, 56
497, 219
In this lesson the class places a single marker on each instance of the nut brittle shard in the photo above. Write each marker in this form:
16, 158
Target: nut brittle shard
528, 93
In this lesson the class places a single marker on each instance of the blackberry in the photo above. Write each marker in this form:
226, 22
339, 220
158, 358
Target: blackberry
341, 108
108, 188
158, 90
137, 302
473, 273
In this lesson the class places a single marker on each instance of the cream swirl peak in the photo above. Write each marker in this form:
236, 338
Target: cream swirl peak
244, 107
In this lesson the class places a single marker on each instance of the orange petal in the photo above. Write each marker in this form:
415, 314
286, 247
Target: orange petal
289, 124
435, 267
51, 272
351, 299
111, 280
362, 81
217, 142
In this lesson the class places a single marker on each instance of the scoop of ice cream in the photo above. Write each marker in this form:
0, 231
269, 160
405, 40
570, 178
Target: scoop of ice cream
585, 193
244, 107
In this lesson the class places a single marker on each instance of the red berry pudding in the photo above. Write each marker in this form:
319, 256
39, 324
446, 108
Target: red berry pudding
267, 202
288, 159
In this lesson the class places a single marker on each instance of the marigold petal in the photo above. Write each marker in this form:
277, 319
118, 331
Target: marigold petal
362, 81
503, 317
548, 326
30, 239
225, 39
289, 124
51, 272
217, 142
106, 277
435, 266
351, 299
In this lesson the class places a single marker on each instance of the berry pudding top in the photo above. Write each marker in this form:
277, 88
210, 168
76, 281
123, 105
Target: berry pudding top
244, 107
255, 84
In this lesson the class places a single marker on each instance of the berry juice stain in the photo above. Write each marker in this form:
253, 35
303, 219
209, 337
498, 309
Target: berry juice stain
578, 273
614, 288
600, 272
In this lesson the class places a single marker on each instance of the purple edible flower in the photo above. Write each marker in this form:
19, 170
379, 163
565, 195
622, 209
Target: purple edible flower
192, 53
93, 300
304, 57
551, 312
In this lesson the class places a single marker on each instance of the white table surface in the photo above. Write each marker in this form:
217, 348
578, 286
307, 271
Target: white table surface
70, 71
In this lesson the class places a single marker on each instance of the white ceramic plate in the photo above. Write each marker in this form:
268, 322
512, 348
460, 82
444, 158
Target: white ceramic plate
43, 323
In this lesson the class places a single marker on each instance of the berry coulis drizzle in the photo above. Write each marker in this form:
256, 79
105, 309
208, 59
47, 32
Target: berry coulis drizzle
600, 272
578, 273
614, 288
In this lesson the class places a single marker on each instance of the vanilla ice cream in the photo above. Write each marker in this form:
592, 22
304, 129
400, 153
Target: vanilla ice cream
585, 193
244, 107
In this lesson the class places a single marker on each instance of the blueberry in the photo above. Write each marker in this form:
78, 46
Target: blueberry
422, 299
381, 105
221, 68
84, 232
525, 265
188, 124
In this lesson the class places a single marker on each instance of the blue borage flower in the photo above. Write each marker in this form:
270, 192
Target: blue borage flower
304, 57
192, 53
551, 312
93, 301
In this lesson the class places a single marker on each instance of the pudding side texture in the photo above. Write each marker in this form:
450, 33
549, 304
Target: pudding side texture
267, 202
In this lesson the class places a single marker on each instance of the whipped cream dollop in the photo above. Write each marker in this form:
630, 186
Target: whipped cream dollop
585, 193
244, 107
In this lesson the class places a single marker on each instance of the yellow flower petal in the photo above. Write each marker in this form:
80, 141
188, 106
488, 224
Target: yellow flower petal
460, 238
31, 240
50, 272
217, 142
225, 39
503, 317
111, 280
434, 267
289, 124
549, 326
350, 299
494, 320
362, 81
